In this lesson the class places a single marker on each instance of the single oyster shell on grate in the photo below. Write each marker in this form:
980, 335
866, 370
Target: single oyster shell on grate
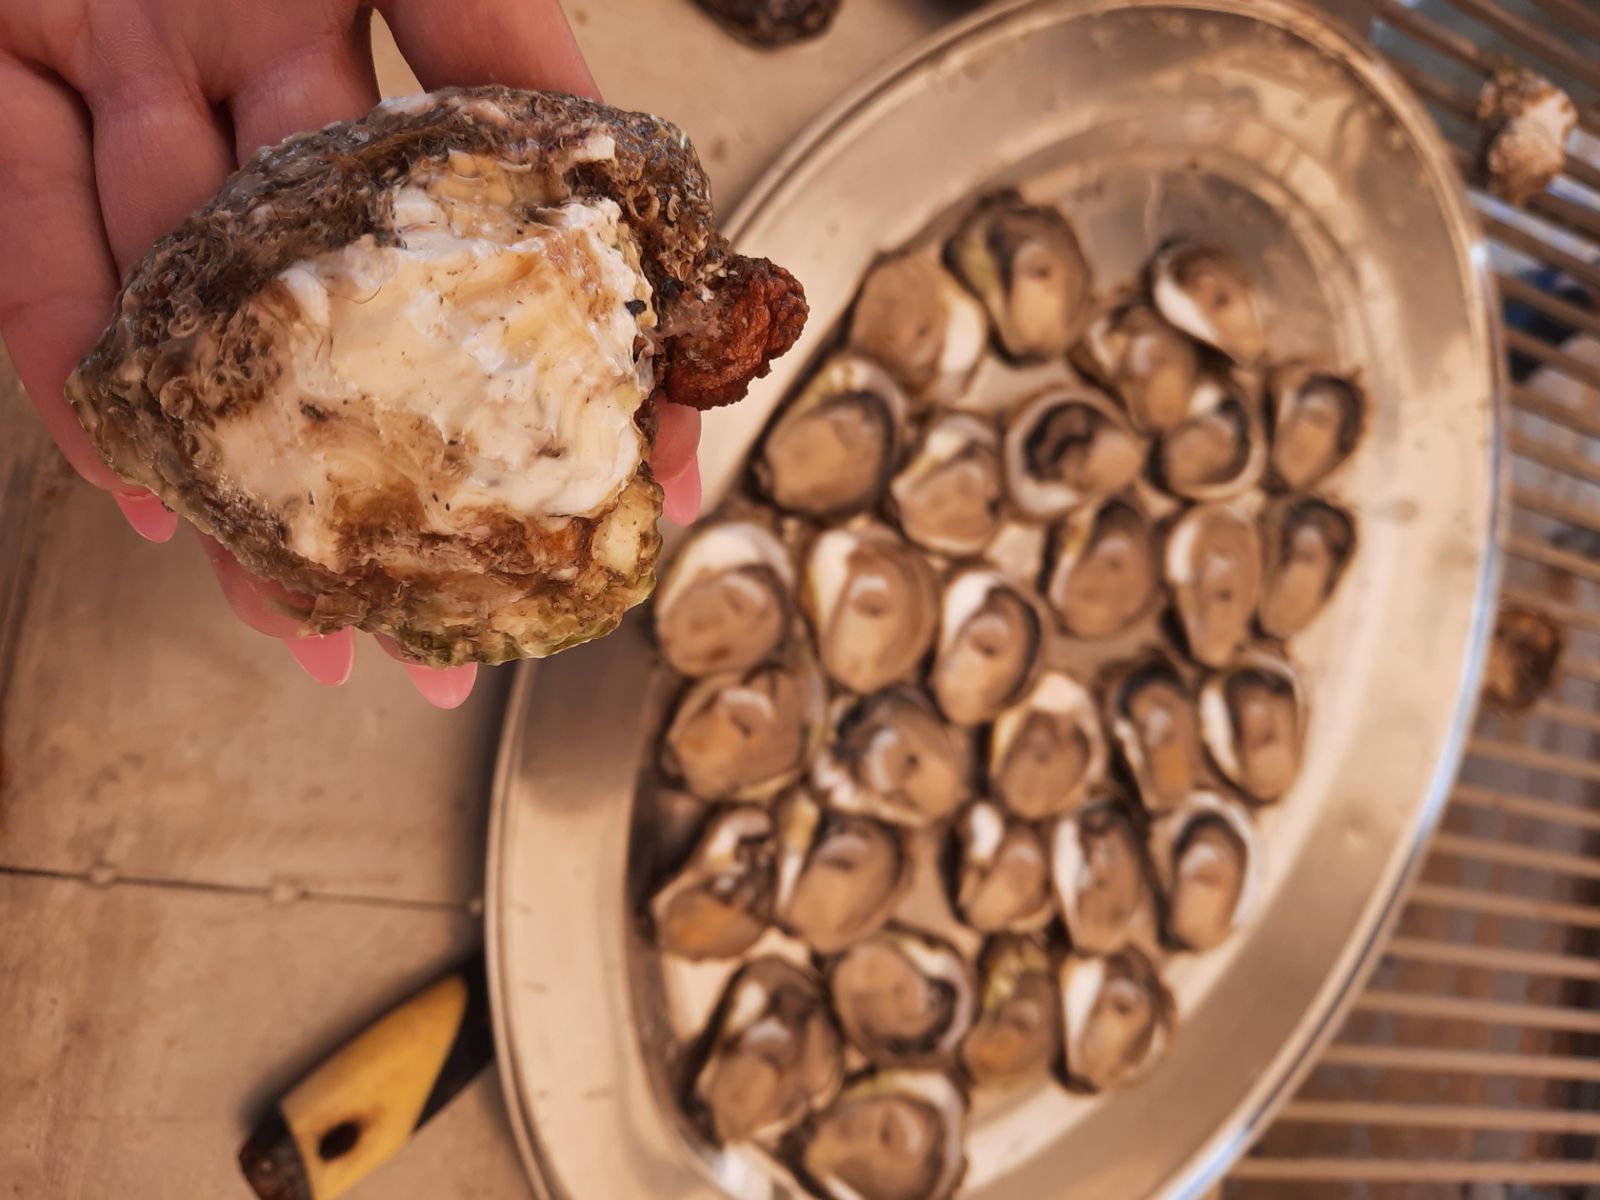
727, 600
831, 450
401, 367
1524, 122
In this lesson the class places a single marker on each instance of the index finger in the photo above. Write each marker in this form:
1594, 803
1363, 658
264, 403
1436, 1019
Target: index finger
519, 43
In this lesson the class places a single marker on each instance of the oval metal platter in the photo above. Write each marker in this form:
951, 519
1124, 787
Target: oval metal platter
1251, 122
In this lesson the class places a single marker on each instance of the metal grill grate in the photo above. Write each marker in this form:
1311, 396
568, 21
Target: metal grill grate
1471, 1066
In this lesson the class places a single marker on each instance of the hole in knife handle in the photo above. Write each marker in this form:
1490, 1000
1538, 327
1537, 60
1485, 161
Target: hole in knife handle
339, 1140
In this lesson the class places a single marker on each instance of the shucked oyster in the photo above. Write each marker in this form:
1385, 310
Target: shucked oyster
745, 735
1024, 262
1204, 291
400, 366
893, 757
1103, 571
1317, 419
1308, 543
990, 636
1102, 879
1152, 367
1017, 1032
1117, 1019
947, 499
921, 324
772, 1053
726, 602
1216, 450
1067, 447
892, 1135
1207, 859
839, 875
1213, 563
997, 872
904, 998
1253, 719
720, 901
872, 601
1047, 750
1157, 728
830, 452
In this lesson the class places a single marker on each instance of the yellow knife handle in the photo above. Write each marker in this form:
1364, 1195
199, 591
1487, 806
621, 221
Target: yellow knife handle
355, 1111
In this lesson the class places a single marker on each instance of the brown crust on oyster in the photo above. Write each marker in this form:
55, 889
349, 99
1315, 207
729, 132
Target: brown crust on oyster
772, 23
509, 588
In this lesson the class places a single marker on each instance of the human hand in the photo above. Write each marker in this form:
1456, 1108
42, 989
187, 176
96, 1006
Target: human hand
125, 115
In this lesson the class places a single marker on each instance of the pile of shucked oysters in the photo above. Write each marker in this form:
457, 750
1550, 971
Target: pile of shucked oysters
981, 689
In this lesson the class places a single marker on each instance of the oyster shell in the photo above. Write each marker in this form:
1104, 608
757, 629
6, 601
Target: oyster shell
990, 635
1066, 447
874, 605
892, 1135
1117, 1017
1102, 879
719, 902
893, 757
947, 498
1207, 858
1213, 566
726, 601
997, 872
400, 366
1103, 572
1317, 419
830, 451
1157, 727
744, 735
1017, 1032
922, 325
1150, 366
1047, 750
1204, 291
772, 1054
1524, 122
1523, 658
1253, 720
1216, 451
1024, 262
772, 23
839, 875
903, 997
1308, 544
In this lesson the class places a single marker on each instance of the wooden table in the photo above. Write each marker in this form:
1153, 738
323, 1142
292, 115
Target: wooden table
212, 870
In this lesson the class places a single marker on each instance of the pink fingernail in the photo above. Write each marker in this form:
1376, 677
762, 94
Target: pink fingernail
681, 505
151, 519
328, 659
443, 688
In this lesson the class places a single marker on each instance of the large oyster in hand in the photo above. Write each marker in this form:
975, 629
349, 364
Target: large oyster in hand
403, 366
